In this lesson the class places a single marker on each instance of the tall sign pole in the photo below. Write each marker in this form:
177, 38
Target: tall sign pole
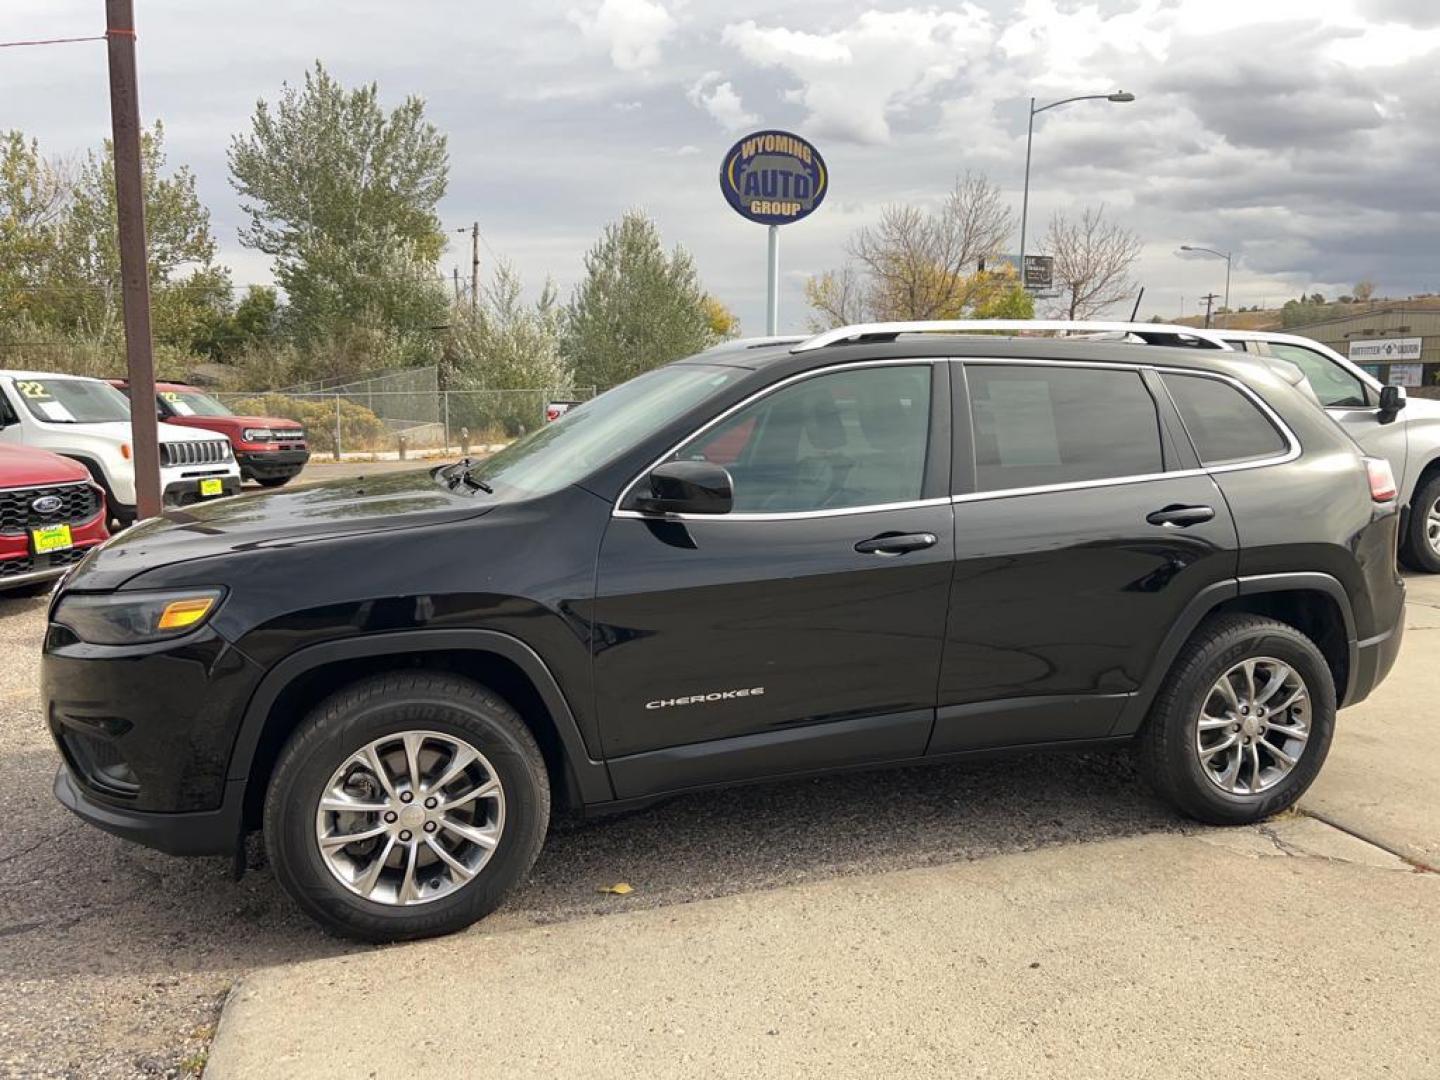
772, 284
134, 268
773, 178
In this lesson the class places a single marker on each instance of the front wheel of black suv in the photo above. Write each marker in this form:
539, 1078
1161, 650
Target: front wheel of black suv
1242, 723
406, 805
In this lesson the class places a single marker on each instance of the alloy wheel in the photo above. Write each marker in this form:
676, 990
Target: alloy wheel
410, 817
1253, 726
1432, 527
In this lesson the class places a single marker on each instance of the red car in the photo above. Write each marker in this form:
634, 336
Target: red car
269, 450
51, 513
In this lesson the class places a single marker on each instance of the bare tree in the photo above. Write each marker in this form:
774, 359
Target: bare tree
1093, 257
1364, 290
836, 298
915, 263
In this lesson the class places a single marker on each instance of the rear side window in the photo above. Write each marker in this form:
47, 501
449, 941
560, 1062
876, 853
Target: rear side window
1055, 425
1223, 423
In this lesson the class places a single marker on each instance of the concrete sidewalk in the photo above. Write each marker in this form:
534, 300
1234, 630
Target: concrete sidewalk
1383, 772
1290, 950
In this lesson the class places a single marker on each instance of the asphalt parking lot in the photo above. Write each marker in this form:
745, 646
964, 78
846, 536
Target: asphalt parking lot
115, 960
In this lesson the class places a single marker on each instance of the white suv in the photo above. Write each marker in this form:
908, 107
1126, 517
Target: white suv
1405, 431
89, 420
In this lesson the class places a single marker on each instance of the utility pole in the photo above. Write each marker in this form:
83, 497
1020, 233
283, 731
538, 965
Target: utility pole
474, 268
134, 269
455, 270
1209, 299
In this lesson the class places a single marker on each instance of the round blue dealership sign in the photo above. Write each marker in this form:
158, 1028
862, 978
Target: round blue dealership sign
774, 177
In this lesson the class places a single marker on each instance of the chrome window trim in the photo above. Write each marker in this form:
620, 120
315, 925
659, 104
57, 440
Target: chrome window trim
1291, 453
917, 361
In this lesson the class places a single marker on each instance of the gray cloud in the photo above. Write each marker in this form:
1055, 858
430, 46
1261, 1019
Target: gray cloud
1250, 138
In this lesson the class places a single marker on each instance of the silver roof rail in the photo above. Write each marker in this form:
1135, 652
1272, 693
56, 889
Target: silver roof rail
1150, 333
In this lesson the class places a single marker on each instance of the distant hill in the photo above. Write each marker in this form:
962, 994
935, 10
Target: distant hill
1295, 313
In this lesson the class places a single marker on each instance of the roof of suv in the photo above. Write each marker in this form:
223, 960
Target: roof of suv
773, 353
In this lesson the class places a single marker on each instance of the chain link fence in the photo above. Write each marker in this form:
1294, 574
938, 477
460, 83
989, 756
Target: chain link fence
357, 418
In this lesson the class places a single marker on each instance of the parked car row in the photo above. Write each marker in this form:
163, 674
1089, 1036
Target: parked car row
205, 451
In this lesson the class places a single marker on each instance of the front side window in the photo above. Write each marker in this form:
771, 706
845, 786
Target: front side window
1333, 385
601, 430
1224, 424
1036, 426
844, 439
73, 401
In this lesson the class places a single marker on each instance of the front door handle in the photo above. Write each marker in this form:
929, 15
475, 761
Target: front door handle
896, 543
1177, 516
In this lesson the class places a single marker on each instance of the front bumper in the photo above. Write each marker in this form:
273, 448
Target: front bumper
147, 729
206, 832
187, 492
270, 464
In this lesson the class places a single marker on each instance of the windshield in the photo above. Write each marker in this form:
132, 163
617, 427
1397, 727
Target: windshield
192, 403
597, 432
73, 401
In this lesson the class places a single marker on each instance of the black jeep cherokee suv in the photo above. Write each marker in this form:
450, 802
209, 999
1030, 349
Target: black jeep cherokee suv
759, 562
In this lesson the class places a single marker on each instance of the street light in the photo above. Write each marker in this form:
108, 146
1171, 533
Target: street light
1119, 97
1219, 255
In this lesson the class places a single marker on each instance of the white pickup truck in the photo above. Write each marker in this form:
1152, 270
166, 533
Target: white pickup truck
89, 420
1407, 436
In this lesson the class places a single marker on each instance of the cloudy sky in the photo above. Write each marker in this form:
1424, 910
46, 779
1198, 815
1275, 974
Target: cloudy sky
1302, 134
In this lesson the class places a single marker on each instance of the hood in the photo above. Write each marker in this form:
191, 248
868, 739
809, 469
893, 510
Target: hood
25, 466
236, 423
169, 432
1425, 408
277, 520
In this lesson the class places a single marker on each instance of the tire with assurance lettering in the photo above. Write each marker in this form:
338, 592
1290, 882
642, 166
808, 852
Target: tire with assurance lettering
406, 805
1242, 723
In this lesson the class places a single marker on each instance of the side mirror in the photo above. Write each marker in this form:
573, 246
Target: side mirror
688, 487
1392, 400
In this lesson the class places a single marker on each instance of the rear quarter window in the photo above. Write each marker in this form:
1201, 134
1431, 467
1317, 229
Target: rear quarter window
1225, 425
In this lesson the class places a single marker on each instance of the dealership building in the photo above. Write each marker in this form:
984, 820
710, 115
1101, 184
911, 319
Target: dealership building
1399, 346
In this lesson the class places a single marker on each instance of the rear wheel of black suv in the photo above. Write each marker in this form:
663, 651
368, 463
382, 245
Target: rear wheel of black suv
1242, 723
405, 806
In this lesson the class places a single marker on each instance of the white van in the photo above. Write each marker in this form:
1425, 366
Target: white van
89, 420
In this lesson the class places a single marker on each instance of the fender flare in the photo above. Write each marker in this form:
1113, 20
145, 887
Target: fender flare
592, 778
1206, 601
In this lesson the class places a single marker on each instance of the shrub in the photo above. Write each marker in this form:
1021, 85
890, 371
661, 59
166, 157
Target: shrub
360, 429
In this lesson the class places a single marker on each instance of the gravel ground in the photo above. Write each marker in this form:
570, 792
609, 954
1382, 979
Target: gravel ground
114, 960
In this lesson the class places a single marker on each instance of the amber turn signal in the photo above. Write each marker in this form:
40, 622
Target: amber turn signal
179, 614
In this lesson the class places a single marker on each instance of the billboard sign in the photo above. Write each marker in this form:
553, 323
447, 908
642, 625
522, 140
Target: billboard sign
1387, 350
1039, 271
774, 177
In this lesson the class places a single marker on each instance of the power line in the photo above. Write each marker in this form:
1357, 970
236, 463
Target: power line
55, 41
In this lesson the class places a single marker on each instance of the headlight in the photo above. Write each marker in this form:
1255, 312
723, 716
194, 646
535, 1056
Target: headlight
131, 618
258, 434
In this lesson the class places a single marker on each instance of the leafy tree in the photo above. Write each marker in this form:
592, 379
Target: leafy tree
33, 196
1364, 290
60, 248
723, 322
636, 308
1092, 262
508, 352
343, 196
915, 263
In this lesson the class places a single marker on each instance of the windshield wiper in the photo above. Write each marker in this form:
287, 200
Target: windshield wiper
459, 473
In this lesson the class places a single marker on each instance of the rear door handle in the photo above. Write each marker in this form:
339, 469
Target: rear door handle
896, 543
1177, 517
